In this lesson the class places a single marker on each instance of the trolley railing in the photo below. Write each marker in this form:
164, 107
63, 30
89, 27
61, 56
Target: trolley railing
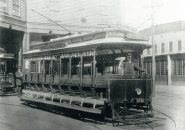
7, 83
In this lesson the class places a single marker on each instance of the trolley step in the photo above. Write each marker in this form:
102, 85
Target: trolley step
89, 105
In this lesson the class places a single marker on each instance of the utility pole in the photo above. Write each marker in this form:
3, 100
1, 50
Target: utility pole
153, 49
153, 44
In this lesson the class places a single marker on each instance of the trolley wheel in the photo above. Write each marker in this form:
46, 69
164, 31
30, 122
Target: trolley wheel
118, 112
146, 110
113, 121
150, 107
151, 110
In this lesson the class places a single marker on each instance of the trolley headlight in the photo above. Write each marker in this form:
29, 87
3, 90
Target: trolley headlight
138, 91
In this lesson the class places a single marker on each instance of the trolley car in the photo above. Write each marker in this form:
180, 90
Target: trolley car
80, 73
7, 79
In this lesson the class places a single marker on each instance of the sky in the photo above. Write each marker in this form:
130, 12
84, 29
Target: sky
137, 13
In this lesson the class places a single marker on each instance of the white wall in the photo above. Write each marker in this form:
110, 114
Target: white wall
166, 38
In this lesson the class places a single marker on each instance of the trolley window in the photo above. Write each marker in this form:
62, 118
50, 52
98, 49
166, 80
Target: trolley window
2, 67
10, 67
75, 66
87, 69
48, 67
41, 67
55, 67
34, 66
87, 65
65, 66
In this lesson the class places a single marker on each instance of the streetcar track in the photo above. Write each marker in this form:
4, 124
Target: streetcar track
9, 125
38, 119
94, 125
12, 104
168, 117
149, 125
24, 106
164, 94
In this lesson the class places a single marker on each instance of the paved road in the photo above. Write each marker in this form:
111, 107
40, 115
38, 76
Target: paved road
169, 106
171, 101
15, 116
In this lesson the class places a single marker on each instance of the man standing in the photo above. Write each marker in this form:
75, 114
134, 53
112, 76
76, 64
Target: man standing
128, 66
19, 79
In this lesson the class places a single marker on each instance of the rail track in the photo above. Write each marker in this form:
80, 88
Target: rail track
170, 96
169, 117
176, 97
25, 106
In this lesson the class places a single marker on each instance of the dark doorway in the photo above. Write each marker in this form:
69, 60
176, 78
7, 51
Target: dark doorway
11, 41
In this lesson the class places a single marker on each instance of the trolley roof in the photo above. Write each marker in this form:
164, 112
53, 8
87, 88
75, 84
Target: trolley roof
109, 39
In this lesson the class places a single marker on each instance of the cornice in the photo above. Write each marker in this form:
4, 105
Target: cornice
17, 24
12, 19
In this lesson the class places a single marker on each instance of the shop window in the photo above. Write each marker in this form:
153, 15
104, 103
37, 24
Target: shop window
178, 67
161, 67
16, 7
179, 45
148, 67
170, 46
162, 47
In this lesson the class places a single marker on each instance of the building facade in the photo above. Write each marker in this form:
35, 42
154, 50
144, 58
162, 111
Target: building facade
169, 47
13, 26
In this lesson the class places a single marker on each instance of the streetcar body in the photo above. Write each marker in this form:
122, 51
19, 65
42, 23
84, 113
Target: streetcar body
81, 73
7, 76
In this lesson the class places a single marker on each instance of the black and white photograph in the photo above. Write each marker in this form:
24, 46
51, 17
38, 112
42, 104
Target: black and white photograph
92, 65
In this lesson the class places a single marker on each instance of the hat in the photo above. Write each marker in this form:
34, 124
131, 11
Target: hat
129, 54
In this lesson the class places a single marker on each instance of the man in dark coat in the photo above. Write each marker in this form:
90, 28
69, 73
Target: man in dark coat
19, 79
128, 66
